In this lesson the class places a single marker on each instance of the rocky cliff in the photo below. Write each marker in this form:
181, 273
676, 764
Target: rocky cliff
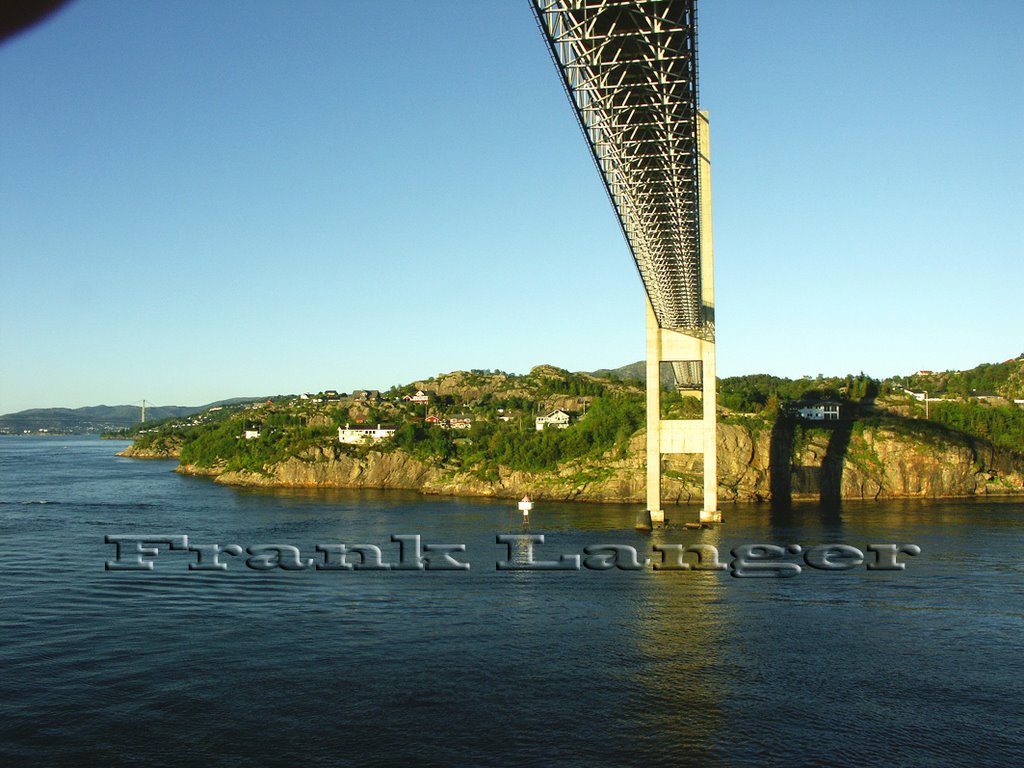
785, 461
160, 450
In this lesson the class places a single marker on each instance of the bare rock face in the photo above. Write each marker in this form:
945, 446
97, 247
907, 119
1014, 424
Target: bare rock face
465, 386
753, 463
897, 469
164, 450
325, 467
876, 462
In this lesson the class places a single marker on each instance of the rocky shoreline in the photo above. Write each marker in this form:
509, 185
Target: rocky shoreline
871, 463
134, 452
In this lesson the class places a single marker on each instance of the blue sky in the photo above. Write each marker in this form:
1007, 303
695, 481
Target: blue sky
208, 200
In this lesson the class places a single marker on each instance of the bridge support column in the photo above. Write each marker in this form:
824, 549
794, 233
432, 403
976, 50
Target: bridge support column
665, 345
709, 392
709, 396
680, 435
655, 513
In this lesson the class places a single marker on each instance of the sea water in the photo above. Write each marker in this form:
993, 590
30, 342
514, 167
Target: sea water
486, 666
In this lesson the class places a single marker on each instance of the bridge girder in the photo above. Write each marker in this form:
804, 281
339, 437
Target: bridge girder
630, 70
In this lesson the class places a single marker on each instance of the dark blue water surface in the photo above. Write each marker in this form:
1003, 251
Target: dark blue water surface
487, 667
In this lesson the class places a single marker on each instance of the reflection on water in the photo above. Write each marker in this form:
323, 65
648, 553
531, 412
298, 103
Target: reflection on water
681, 631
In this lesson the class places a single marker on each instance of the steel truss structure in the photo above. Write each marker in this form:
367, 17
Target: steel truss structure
630, 70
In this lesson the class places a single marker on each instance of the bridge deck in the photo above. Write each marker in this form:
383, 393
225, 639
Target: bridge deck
630, 69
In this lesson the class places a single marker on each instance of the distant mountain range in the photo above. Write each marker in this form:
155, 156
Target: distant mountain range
97, 418
635, 372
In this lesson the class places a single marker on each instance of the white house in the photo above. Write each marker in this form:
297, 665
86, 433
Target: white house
363, 434
557, 418
460, 422
252, 431
421, 396
818, 411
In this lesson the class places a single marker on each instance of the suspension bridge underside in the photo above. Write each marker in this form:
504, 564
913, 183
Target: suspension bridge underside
630, 70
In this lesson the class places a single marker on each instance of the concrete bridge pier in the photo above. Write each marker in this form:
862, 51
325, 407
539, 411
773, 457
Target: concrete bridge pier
679, 435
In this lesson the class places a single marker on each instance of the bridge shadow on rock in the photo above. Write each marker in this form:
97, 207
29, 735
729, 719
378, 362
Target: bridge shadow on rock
832, 469
780, 464
835, 454
825, 481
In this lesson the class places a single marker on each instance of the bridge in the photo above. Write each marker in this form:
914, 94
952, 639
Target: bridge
630, 71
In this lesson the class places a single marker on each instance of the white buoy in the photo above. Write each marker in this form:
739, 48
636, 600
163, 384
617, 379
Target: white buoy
525, 506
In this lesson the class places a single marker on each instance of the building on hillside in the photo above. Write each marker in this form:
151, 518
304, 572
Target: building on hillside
420, 396
824, 411
363, 434
924, 397
978, 395
252, 431
460, 422
557, 418
433, 419
366, 395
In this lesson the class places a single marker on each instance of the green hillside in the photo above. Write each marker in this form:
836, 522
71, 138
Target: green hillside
607, 413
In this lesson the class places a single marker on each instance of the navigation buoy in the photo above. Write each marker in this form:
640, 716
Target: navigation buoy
525, 505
